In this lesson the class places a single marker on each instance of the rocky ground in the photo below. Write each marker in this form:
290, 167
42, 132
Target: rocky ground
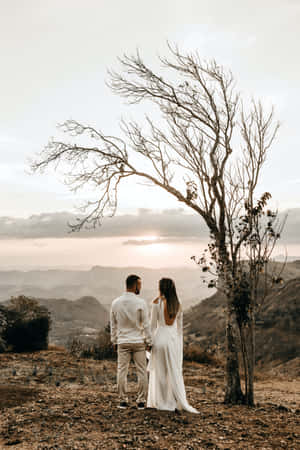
51, 400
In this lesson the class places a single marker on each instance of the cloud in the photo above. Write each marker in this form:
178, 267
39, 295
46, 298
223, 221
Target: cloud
165, 226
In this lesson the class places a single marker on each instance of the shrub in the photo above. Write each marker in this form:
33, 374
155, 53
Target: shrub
75, 346
3, 325
101, 349
28, 325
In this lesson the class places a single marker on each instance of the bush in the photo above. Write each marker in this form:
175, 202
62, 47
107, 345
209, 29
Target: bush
28, 325
75, 346
101, 349
3, 325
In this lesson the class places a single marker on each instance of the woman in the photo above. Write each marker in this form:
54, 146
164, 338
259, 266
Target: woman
166, 386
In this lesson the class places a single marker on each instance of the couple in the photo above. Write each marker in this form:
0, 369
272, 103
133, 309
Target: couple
132, 335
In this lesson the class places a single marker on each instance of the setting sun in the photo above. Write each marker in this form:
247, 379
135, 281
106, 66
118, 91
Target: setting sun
148, 239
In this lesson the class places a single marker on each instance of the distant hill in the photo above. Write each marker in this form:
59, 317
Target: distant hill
59, 290
104, 283
277, 328
83, 317
291, 269
278, 332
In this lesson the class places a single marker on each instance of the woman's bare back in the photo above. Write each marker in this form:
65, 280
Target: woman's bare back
169, 320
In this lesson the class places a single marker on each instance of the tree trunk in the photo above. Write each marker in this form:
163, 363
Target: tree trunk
251, 362
243, 345
233, 391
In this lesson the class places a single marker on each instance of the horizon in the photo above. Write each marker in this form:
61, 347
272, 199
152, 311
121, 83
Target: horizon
86, 268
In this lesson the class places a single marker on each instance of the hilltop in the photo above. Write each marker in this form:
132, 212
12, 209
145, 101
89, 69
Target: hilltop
75, 408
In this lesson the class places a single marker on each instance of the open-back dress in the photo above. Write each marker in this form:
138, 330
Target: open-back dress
166, 385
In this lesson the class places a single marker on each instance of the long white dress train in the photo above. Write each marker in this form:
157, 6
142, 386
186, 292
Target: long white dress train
166, 386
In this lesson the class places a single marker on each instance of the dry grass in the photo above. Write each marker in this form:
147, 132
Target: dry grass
193, 352
56, 348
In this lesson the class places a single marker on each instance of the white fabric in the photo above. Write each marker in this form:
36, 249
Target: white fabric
129, 320
166, 386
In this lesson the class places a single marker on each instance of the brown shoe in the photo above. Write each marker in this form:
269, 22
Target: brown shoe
123, 405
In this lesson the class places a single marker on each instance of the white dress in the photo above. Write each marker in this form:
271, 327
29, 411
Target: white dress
166, 386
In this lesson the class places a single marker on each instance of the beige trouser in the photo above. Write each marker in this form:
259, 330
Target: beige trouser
138, 352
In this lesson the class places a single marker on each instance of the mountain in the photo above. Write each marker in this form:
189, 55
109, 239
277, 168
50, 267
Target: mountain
277, 324
104, 283
59, 290
278, 332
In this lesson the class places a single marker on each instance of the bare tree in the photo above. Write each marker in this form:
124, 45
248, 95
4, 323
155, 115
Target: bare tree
256, 277
207, 152
246, 283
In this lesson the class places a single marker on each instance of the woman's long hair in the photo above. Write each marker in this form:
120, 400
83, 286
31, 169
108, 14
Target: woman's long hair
168, 289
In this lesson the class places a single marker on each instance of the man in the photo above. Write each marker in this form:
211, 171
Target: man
131, 336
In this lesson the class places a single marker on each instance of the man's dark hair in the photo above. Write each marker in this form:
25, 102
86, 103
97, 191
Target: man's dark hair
131, 280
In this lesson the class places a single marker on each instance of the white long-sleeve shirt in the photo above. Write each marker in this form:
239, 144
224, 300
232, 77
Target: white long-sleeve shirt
129, 320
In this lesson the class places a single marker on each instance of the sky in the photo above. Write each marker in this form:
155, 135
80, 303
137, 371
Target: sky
54, 61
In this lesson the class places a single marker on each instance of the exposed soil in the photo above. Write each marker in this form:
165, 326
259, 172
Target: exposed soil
51, 400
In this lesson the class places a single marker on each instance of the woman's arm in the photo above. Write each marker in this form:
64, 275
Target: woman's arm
179, 323
154, 315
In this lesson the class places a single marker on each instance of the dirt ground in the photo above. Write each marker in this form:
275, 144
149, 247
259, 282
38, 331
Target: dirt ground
51, 400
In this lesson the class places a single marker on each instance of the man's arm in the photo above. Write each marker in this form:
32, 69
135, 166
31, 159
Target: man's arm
146, 326
113, 326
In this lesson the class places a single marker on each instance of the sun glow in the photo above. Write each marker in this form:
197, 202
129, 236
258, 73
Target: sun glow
151, 247
148, 239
